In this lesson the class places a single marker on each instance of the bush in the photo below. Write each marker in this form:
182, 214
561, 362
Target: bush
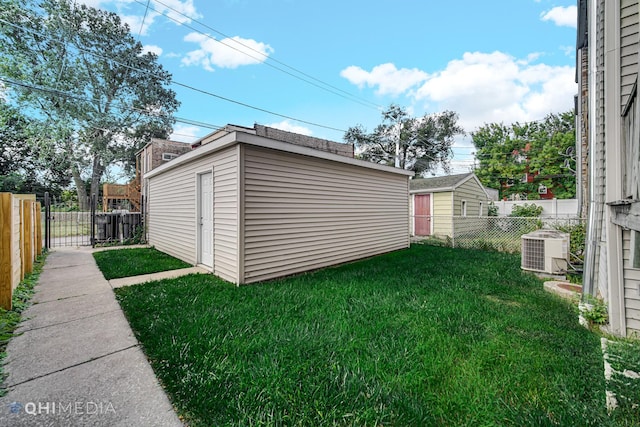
578, 237
492, 210
527, 210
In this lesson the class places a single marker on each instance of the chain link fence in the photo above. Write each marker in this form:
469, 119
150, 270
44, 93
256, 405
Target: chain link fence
502, 234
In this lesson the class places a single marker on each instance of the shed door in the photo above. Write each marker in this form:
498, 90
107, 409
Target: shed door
205, 215
422, 212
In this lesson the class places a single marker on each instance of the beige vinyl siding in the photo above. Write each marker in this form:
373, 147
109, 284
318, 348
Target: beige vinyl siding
628, 47
173, 210
631, 287
473, 194
302, 213
442, 214
225, 214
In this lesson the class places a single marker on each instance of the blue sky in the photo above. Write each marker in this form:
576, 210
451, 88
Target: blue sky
490, 61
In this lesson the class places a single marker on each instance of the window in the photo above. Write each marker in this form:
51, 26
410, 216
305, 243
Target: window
631, 147
635, 249
464, 208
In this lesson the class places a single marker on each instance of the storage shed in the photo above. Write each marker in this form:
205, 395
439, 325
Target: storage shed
436, 201
250, 207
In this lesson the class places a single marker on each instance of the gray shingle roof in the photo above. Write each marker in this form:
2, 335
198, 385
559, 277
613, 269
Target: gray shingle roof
448, 182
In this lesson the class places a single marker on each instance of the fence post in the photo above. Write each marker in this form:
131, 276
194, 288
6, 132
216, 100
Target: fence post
47, 221
38, 228
6, 253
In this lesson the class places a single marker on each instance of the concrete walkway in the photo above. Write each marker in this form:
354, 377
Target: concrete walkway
75, 361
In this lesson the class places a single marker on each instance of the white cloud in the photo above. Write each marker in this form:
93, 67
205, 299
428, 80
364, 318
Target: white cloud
562, 16
488, 88
153, 49
388, 79
185, 133
286, 125
226, 53
497, 88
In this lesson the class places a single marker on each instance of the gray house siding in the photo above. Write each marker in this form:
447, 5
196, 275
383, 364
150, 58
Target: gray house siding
173, 210
613, 70
302, 213
628, 47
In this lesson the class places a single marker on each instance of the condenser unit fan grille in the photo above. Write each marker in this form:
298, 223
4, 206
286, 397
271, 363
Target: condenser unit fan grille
533, 254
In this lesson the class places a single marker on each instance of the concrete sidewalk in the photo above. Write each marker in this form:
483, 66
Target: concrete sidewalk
76, 361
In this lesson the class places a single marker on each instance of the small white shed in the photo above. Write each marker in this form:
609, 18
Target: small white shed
250, 207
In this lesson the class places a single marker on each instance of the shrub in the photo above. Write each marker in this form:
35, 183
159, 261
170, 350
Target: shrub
526, 210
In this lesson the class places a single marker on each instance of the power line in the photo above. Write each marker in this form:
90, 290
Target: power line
208, 93
327, 87
146, 10
119, 107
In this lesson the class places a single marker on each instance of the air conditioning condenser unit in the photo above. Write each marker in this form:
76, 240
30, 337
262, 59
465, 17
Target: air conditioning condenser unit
545, 251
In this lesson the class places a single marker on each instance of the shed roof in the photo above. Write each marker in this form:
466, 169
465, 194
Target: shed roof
440, 183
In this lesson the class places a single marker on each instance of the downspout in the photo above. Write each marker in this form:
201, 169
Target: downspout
578, 121
592, 223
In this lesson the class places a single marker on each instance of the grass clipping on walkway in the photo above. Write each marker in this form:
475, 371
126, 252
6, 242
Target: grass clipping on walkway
424, 336
118, 263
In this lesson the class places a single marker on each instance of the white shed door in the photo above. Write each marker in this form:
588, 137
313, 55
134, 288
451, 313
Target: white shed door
205, 256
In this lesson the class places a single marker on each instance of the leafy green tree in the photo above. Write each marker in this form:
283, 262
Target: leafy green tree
79, 70
544, 149
417, 144
16, 153
24, 168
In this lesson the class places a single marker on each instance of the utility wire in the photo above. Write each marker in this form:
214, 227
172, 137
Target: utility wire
326, 86
60, 93
205, 92
146, 10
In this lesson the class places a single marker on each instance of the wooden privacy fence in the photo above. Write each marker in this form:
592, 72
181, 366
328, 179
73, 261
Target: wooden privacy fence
20, 241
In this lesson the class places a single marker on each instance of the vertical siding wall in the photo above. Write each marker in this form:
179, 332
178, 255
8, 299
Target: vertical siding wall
631, 288
173, 210
303, 213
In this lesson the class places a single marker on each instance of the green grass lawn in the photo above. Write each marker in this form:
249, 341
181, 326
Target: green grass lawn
118, 263
420, 337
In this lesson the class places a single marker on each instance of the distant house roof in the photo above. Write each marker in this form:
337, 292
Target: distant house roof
492, 193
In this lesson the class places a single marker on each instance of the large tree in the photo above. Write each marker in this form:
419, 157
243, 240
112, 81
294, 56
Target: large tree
418, 144
544, 150
80, 70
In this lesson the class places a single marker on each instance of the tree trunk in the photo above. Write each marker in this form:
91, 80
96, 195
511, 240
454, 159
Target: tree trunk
96, 176
81, 191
